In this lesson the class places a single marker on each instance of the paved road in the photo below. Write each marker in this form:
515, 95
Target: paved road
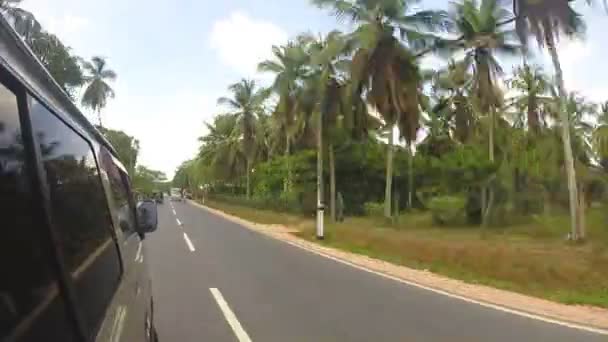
267, 290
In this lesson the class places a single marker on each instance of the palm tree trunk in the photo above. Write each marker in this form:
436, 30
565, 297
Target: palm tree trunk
490, 198
581, 232
99, 117
568, 158
320, 208
332, 181
287, 181
491, 136
410, 180
248, 179
389, 175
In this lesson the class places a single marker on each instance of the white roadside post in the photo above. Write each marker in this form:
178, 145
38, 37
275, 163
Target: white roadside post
320, 217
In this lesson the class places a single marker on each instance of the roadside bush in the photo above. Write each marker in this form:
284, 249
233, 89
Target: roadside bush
448, 210
374, 209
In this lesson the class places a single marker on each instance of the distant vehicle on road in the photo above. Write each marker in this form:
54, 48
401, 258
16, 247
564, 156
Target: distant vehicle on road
159, 197
176, 194
72, 255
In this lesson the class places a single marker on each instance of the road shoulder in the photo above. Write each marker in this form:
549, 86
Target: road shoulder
575, 316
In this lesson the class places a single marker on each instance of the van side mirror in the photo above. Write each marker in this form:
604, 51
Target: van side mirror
147, 217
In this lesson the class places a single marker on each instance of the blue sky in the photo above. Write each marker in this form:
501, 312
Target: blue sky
174, 58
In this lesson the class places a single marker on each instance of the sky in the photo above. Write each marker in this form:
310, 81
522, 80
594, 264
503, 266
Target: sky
174, 58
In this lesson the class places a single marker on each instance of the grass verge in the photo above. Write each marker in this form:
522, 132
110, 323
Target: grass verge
516, 259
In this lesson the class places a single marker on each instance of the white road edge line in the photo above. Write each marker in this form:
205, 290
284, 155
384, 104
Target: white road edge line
238, 330
179, 223
174, 213
189, 243
452, 295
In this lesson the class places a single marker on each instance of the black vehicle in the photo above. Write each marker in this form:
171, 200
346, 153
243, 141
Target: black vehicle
159, 197
71, 251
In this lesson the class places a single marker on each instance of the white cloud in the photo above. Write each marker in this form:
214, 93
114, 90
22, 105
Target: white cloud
167, 126
242, 42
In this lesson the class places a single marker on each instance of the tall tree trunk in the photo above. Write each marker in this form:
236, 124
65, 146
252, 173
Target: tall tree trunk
582, 205
99, 117
320, 208
410, 178
491, 135
389, 175
287, 181
248, 179
568, 158
332, 181
490, 190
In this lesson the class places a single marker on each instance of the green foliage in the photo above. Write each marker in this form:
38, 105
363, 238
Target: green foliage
125, 145
147, 181
448, 210
268, 178
57, 59
374, 209
464, 168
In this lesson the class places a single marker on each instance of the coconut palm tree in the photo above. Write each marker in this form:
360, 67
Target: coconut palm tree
546, 20
532, 99
221, 148
451, 88
97, 91
246, 103
289, 66
326, 55
600, 135
483, 37
384, 68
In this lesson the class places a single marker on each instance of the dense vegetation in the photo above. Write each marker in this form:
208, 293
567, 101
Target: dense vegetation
471, 143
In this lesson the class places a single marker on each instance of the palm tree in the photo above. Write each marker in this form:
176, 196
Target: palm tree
546, 19
533, 86
289, 66
453, 104
97, 91
483, 37
222, 149
600, 135
328, 55
384, 69
247, 101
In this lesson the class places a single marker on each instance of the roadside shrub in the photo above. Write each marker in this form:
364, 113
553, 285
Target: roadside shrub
448, 210
374, 209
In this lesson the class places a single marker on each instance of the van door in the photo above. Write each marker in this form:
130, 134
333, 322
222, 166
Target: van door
129, 318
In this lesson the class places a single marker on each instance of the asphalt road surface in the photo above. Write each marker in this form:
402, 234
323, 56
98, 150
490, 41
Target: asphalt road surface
214, 280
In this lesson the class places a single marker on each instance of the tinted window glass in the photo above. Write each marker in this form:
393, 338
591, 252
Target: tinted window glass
125, 214
80, 212
31, 307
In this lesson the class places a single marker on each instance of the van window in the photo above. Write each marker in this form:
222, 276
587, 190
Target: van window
31, 306
80, 213
122, 205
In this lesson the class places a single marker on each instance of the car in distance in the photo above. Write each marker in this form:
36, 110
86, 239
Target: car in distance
73, 258
176, 194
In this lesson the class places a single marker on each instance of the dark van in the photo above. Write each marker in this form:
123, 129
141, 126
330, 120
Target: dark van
72, 259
